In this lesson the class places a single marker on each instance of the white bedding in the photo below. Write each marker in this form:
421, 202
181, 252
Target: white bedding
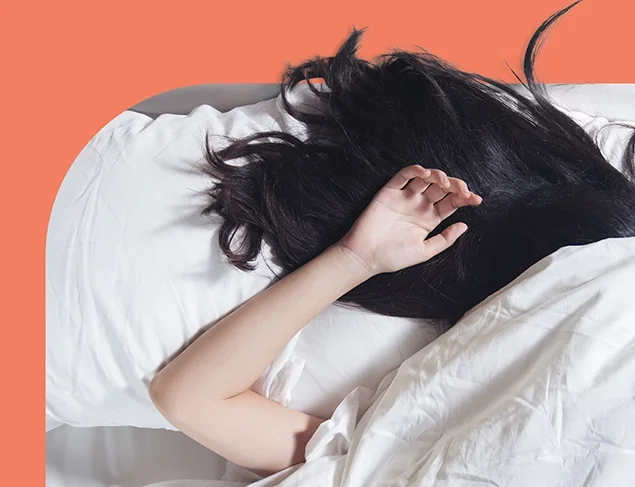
125, 457
314, 366
133, 275
533, 387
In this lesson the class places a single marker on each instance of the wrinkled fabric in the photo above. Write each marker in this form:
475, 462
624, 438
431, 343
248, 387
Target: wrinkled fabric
534, 387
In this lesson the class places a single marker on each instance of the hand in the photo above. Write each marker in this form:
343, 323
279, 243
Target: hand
391, 234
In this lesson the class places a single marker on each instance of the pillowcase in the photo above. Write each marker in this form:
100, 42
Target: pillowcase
134, 275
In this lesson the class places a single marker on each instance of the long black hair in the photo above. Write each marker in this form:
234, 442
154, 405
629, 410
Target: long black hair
545, 183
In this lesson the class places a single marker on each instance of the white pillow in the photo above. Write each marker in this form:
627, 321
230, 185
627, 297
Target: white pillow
133, 275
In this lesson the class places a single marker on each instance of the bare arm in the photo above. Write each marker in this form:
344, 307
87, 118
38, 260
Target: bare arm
204, 391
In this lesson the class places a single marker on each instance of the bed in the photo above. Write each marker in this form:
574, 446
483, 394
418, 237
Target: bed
137, 457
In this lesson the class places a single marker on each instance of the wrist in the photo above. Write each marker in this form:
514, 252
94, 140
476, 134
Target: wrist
350, 263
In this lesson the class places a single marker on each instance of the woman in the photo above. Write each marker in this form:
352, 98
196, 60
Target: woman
545, 182
347, 221
205, 391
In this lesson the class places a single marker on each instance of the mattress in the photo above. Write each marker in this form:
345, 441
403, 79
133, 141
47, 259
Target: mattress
132, 457
125, 457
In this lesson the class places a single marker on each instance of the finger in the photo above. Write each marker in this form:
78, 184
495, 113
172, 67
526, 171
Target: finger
444, 240
399, 180
438, 177
435, 193
459, 186
453, 202
417, 185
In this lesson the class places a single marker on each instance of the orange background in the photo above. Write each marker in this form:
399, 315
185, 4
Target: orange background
68, 67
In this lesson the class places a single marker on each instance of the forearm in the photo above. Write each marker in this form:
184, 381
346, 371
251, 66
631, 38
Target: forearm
228, 358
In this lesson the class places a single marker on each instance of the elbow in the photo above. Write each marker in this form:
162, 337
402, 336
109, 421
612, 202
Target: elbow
179, 399
174, 398
163, 396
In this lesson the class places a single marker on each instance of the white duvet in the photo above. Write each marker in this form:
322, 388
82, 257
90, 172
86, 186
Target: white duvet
534, 387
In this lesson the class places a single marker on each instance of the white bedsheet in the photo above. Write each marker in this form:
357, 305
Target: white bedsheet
534, 387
